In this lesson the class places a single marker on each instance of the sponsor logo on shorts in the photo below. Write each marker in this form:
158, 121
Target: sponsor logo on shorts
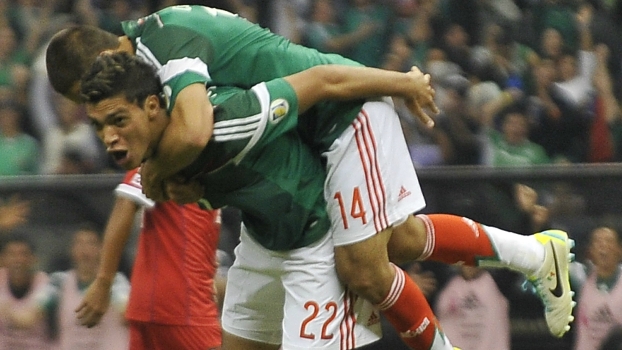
422, 327
278, 109
403, 193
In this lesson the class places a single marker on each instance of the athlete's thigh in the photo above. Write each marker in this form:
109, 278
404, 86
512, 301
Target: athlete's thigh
319, 312
254, 296
371, 182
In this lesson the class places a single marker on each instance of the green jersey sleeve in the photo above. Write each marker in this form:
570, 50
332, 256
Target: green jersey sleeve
245, 121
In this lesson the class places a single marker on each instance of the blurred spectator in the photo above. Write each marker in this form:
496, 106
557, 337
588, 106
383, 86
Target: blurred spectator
370, 51
13, 213
324, 32
286, 18
65, 292
458, 130
14, 64
465, 16
600, 298
556, 14
70, 146
455, 44
20, 285
605, 30
413, 34
556, 124
110, 13
511, 62
473, 312
576, 69
551, 44
603, 147
19, 152
32, 21
511, 146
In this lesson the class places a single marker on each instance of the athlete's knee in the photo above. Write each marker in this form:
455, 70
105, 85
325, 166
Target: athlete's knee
407, 241
365, 270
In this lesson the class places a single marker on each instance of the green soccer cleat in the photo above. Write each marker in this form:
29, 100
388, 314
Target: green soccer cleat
552, 281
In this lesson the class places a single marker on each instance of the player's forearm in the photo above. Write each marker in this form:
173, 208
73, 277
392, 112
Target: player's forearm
187, 134
336, 82
116, 234
355, 82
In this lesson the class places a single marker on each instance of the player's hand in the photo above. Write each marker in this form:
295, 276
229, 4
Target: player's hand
94, 304
184, 192
422, 98
153, 185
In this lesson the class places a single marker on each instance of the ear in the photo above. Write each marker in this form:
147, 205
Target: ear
152, 106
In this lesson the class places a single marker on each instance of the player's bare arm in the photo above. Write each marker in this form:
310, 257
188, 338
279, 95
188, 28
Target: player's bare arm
189, 130
97, 297
336, 82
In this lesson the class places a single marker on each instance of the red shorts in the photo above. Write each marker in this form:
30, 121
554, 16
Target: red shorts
153, 336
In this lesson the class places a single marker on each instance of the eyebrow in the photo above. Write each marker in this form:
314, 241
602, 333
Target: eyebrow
108, 118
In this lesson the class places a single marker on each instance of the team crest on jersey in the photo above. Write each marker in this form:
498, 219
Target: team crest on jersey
278, 109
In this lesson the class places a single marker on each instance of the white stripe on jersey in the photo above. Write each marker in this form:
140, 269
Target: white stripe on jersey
240, 121
236, 129
236, 136
264, 100
179, 66
143, 51
174, 67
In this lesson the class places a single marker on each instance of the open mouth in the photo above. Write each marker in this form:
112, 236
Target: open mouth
118, 156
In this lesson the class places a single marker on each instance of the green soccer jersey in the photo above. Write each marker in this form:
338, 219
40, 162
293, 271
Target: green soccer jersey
257, 163
196, 44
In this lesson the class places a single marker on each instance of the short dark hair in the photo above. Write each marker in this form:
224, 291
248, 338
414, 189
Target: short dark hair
18, 237
71, 53
120, 74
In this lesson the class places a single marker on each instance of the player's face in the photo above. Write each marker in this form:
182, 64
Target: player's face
128, 131
85, 250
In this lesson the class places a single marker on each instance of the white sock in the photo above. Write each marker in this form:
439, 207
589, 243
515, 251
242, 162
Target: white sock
517, 252
441, 342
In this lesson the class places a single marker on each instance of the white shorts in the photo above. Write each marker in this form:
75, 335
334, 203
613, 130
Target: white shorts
294, 298
371, 182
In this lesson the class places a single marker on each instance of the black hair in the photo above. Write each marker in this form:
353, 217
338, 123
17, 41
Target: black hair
120, 74
71, 52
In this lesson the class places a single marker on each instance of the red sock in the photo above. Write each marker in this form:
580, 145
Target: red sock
408, 311
452, 239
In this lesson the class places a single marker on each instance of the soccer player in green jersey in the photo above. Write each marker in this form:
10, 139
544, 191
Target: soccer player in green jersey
371, 188
284, 276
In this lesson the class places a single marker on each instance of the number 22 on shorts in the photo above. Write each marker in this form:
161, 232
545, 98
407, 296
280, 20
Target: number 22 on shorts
357, 207
330, 308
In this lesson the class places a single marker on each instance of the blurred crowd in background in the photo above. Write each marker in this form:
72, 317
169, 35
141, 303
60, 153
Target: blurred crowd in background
519, 82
